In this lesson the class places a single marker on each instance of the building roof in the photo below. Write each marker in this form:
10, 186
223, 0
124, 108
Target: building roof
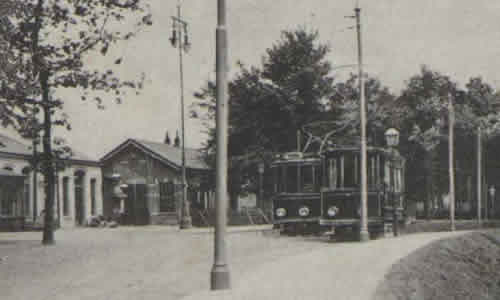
168, 154
13, 147
9, 173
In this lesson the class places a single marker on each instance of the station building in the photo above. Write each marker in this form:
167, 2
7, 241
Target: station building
143, 182
78, 188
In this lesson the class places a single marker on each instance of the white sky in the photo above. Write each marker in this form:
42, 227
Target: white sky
460, 38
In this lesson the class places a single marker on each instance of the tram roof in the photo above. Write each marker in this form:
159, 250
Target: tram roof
353, 149
297, 158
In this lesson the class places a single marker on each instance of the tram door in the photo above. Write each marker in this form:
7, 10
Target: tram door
79, 215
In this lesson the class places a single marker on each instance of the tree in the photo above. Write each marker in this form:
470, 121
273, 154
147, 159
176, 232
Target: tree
422, 108
483, 116
268, 104
379, 102
47, 43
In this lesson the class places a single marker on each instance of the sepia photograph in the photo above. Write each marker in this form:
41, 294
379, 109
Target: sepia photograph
246, 149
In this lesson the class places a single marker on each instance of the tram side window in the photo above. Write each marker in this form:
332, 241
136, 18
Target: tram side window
350, 171
372, 170
291, 179
332, 173
318, 178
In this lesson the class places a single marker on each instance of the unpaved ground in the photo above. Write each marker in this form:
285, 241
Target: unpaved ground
128, 263
466, 267
156, 263
340, 271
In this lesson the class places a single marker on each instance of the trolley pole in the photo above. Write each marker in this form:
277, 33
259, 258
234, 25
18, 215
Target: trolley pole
220, 276
451, 121
363, 230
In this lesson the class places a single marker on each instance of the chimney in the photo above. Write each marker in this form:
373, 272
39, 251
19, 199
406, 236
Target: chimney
177, 140
167, 139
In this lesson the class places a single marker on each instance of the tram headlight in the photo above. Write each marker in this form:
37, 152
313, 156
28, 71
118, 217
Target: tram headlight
333, 211
280, 212
304, 211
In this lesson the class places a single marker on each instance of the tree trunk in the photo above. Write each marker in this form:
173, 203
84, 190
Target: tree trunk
48, 166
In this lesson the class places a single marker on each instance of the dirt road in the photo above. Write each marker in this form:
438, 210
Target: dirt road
341, 271
128, 263
157, 263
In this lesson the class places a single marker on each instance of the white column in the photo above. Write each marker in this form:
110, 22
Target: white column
59, 199
31, 195
71, 197
40, 194
99, 201
86, 197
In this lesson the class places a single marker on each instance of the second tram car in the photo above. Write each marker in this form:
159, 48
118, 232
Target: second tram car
341, 194
323, 191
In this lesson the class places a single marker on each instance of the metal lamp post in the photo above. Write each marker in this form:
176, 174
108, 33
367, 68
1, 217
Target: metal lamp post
179, 31
220, 276
392, 139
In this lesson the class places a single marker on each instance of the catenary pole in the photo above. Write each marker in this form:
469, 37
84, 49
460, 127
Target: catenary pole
363, 229
451, 121
479, 174
220, 276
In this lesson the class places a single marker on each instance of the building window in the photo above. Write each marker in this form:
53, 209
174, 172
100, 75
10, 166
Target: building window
65, 196
92, 196
5, 205
167, 197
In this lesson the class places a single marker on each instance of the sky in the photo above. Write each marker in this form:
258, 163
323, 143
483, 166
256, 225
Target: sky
459, 38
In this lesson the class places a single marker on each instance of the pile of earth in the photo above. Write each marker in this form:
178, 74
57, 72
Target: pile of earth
465, 267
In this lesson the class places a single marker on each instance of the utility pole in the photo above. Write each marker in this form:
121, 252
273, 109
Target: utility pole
451, 124
35, 176
479, 174
180, 28
363, 230
220, 276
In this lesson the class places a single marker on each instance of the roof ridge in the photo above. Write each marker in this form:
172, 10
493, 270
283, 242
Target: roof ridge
167, 145
13, 139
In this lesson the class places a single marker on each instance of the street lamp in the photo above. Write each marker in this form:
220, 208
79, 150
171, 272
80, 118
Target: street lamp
179, 30
392, 139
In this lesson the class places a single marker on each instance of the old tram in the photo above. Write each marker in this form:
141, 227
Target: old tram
322, 192
297, 185
341, 194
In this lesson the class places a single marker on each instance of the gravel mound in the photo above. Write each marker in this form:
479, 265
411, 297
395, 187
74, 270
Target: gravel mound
465, 267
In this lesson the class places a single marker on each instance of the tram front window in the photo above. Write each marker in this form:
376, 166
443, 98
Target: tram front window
291, 179
307, 184
278, 179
